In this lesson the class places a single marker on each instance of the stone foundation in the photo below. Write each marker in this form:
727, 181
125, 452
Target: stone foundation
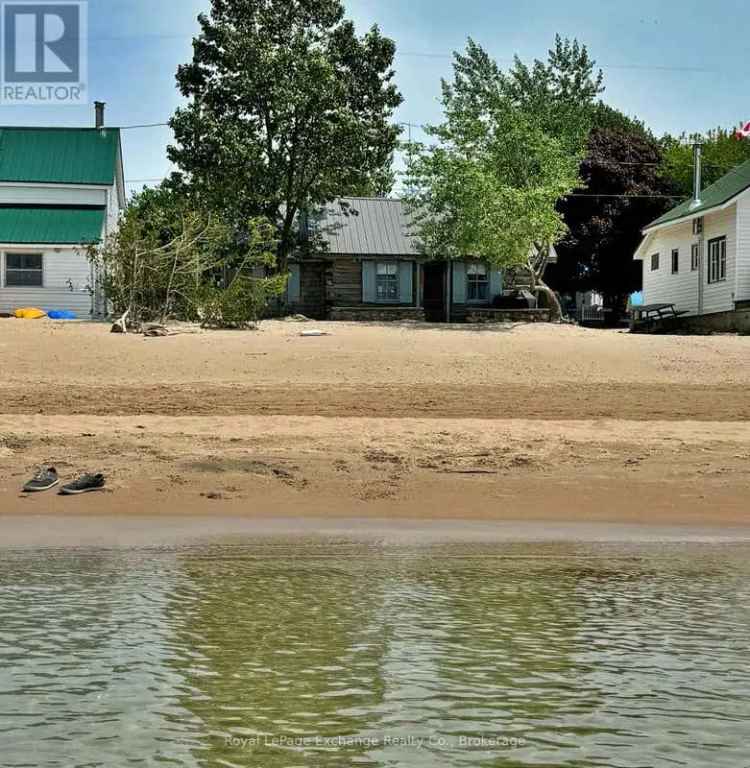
737, 321
376, 314
508, 316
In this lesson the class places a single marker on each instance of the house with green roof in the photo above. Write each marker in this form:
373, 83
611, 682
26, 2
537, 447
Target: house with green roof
697, 255
61, 189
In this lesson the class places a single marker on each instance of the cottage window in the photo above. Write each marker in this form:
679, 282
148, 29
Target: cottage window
717, 260
675, 261
23, 270
655, 262
695, 257
698, 226
477, 283
386, 282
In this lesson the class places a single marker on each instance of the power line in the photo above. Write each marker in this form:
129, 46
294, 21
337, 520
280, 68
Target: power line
408, 54
627, 197
147, 125
655, 67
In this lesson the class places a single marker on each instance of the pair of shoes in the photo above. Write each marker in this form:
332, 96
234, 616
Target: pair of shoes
46, 479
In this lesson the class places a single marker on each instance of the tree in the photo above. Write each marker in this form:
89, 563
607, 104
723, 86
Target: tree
289, 109
722, 151
167, 260
508, 149
623, 191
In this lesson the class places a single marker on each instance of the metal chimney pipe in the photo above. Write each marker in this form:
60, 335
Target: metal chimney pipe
697, 174
99, 105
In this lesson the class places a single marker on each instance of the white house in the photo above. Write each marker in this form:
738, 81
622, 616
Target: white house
697, 256
61, 189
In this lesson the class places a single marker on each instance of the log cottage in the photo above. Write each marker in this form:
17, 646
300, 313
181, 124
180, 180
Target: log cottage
370, 267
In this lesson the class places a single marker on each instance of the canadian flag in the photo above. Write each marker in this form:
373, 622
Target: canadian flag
743, 132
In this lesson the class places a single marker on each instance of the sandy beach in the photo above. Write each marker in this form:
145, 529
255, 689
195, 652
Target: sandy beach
514, 423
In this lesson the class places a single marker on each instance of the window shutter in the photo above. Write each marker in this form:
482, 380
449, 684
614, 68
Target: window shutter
496, 284
369, 291
293, 289
459, 282
406, 282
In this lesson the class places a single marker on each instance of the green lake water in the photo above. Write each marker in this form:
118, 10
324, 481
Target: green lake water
285, 653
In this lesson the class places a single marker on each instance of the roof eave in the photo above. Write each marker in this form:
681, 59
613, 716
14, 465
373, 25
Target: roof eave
64, 246
696, 214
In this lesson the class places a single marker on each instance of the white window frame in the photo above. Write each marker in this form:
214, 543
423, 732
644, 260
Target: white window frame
675, 261
655, 262
477, 278
5, 270
695, 257
717, 260
698, 226
387, 275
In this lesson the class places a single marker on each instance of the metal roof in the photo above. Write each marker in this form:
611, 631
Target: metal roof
366, 226
59, 155
42, 225
721, 192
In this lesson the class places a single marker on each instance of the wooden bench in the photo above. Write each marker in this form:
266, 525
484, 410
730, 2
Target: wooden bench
650, 317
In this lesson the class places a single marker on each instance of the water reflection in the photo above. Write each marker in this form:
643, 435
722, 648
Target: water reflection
307, 653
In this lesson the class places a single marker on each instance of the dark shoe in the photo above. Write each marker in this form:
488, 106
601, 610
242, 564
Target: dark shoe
84, 484
43, 480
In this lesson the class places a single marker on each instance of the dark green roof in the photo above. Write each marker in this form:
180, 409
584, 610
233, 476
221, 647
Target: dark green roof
49, 225
726, 188
59, 155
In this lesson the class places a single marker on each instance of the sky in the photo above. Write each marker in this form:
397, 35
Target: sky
678, 66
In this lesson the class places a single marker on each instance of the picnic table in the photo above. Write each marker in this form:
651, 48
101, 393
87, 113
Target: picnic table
650, 317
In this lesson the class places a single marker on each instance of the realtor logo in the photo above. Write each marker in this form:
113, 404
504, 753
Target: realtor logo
43, 57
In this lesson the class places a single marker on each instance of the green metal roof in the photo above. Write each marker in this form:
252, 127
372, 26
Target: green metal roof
48, 225
59, 155
719, 193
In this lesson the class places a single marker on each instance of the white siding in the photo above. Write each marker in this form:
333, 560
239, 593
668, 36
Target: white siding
19, 194
719, 297
743, 248
64, 269
113, 211
683, 289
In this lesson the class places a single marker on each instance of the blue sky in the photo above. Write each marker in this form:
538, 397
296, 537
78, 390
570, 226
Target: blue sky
679, 66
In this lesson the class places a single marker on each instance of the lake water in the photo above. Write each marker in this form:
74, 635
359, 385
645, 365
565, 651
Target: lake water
281, 652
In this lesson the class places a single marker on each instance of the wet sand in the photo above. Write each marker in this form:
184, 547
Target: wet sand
20, 532
522, 423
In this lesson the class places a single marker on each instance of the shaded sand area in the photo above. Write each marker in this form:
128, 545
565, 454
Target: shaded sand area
512, 423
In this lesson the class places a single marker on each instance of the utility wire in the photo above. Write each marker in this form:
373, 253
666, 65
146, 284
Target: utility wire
405, 54
147, 125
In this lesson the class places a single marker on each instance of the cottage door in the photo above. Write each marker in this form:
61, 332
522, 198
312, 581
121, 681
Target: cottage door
434, 291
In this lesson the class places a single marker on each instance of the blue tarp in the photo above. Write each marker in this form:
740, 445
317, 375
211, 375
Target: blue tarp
61, 314
636, 299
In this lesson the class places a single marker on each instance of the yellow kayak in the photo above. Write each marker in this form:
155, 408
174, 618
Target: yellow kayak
30, 313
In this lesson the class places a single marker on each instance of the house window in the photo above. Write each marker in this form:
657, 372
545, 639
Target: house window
655, 262
386, 282
675, 261
698, 226
695, 257
477, 283
23, 270
717, 260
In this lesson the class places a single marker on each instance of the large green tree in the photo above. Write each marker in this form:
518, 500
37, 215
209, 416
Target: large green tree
508, 149
722, 151
623, 191
289, 108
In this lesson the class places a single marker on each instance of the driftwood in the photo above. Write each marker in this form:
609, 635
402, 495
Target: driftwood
160, 331
121, 325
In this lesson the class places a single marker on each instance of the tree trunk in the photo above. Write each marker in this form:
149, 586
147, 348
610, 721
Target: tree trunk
537, 268
554, 302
